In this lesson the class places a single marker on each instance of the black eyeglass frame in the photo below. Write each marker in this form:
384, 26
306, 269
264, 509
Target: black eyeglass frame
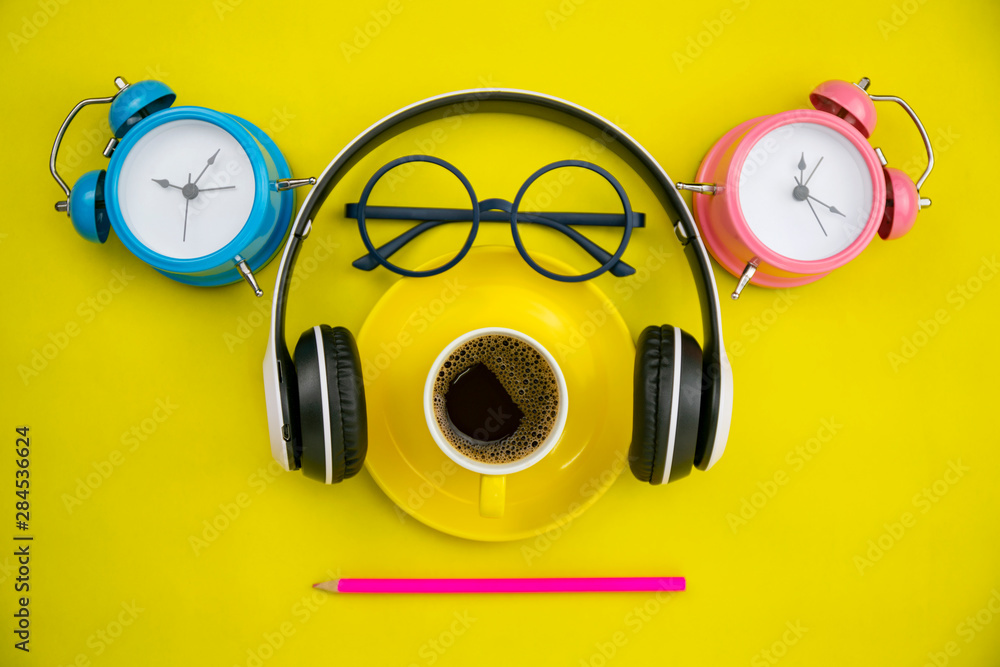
433, 217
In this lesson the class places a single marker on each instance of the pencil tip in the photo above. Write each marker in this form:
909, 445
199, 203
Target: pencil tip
330, 586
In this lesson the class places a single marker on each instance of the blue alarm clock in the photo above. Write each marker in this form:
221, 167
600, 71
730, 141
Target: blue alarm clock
201, 196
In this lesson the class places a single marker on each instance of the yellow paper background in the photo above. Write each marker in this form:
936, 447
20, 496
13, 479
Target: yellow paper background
676, 76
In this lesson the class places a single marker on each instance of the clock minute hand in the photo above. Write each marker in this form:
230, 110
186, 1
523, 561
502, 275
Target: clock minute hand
208, 164
806, 182
833, 209
187, 203
817, 217
225, 187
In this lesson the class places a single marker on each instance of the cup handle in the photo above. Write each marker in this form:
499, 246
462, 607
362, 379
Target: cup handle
492, 489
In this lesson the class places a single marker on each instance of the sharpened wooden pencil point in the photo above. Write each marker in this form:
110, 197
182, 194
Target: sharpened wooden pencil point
328, 585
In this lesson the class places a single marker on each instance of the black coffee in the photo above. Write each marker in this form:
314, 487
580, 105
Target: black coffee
496, 399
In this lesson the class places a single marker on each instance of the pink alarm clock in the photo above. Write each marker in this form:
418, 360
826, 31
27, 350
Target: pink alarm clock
782, 200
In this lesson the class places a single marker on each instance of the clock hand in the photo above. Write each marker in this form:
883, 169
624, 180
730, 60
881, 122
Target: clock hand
164, 183
187, 203
833, 209
208, 164
817, 217
802, 169
812, 172
225, 187
801, 193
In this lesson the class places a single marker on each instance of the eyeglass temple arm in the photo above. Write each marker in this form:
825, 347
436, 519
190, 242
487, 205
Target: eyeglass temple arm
465, 215
369, 262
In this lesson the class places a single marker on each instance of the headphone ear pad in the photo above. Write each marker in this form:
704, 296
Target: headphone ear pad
332, 414
666, 405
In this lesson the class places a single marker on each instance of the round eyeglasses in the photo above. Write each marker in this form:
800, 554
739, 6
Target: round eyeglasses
532, 230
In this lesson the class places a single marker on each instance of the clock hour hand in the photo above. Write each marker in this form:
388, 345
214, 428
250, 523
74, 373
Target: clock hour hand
208, 164
164, 183
802, 169
817, 217
833, 209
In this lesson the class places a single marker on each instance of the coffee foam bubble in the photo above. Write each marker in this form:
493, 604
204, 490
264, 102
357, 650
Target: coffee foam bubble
526, 377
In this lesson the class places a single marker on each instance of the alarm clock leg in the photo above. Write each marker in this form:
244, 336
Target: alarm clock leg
289, 183
702, 188
748, 272
241, 264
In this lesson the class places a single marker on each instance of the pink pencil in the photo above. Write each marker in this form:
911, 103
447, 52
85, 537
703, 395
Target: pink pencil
551, 585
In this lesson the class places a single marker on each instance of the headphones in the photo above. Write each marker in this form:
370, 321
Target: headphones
683, 396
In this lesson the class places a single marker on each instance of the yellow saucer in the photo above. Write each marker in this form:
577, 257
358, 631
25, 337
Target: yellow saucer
493, 287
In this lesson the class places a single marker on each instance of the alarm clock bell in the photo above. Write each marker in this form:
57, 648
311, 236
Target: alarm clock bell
198, 221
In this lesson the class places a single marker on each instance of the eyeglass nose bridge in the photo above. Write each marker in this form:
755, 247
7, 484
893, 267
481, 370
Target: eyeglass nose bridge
496, 204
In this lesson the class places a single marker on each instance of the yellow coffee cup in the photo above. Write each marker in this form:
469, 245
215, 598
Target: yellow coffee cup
493, 476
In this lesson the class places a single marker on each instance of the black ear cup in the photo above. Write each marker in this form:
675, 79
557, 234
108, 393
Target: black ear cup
666, 405
332, 418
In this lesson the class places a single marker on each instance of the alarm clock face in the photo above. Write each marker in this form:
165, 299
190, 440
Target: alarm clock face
806, 191
186, 188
